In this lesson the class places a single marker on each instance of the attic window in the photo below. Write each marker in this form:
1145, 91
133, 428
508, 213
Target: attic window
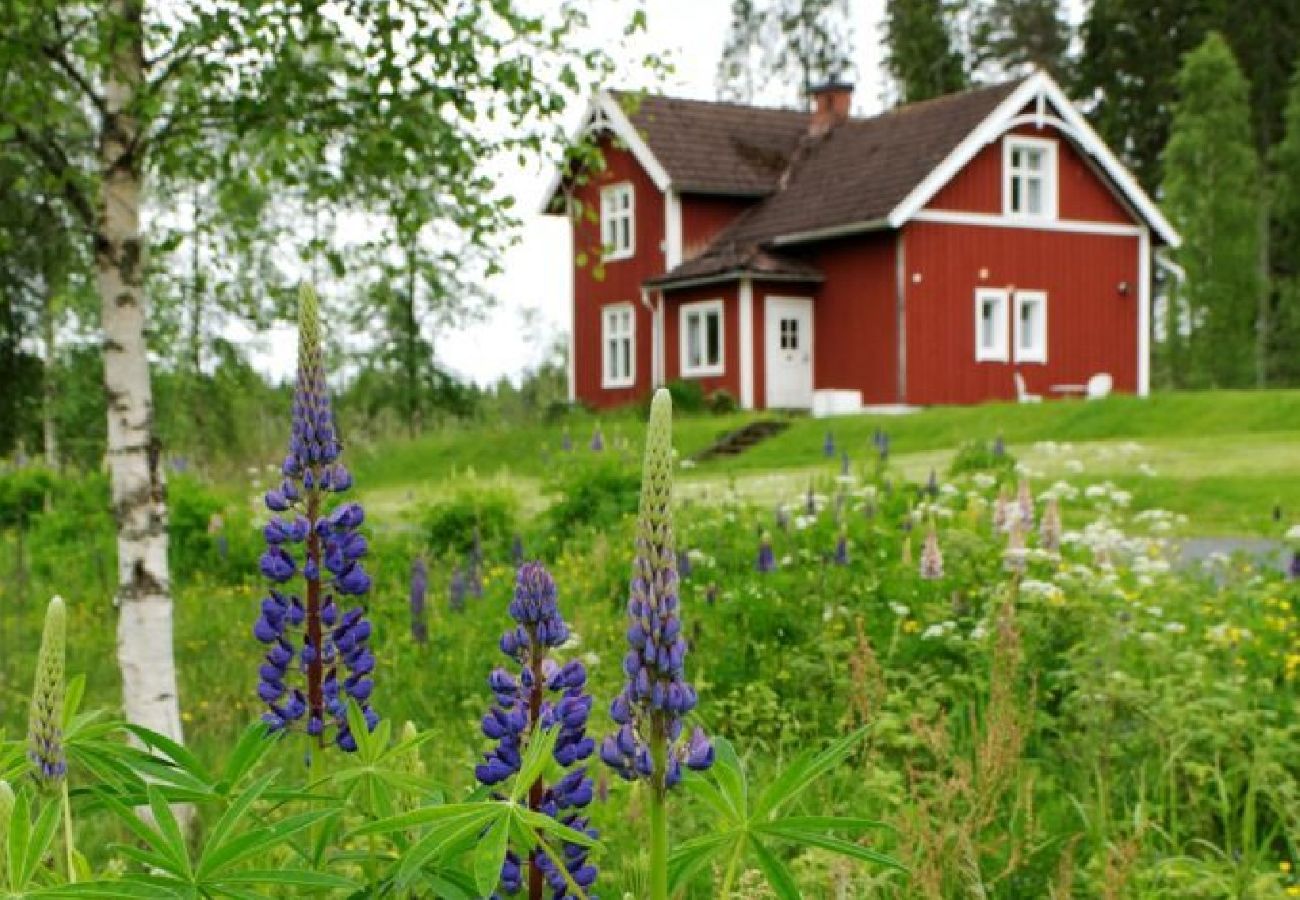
1029, 177
617, 227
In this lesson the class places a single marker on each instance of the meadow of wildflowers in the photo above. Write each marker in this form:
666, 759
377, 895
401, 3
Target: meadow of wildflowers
984, 683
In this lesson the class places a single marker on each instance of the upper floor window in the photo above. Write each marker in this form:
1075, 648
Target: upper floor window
617, 225
701, 338
618, 340
1029, 177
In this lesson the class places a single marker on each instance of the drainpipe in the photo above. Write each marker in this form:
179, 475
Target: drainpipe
656, 339
900, 302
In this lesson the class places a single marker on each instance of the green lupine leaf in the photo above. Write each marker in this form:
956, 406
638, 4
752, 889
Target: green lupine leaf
170, 830
808, 837
234, 813
541, 745
423, 816
797, 777
42, 836
175, 752
300, 878
490, 856
701, 788
546, 825
252, 747
729, 774
692, 856
778, 876
446, 834
824, 823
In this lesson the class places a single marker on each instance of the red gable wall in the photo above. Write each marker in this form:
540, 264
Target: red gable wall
1083, 194
621, 280
704, 217
1091, 325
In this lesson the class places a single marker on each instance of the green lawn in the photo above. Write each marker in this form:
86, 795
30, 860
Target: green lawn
1224, 459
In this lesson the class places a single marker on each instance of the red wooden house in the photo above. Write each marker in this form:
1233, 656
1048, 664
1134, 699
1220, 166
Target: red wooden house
922, 256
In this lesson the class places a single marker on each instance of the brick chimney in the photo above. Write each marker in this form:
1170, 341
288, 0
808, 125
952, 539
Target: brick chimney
831, 101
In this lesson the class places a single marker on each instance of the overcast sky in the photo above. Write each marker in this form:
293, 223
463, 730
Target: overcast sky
537, 274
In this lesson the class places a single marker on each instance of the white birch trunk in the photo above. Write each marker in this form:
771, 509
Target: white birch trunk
144, 634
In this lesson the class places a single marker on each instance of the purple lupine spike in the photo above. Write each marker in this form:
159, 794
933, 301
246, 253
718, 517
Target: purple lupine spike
566, 442
597, 441
842, 549
419, 596
683, 564
931, 557
1293, 571
828, 445
656, 696
999, 448
332, 652
543, 695
457, 589
810, 500
884, 446
517, 550
766, 557
932, 485
844, 463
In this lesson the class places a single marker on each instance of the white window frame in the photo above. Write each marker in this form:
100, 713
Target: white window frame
1010, 173
999, 349
611, 318
613, 213
1038, 352
702, 308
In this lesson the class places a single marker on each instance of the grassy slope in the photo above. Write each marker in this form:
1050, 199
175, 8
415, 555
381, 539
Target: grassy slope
1223, 458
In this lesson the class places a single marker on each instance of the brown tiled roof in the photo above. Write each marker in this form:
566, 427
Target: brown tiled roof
717, 148
730, 259
856, 173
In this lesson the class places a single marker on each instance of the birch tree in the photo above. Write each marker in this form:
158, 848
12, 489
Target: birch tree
357, 106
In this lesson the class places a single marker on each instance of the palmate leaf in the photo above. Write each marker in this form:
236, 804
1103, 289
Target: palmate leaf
738, 830
490, 856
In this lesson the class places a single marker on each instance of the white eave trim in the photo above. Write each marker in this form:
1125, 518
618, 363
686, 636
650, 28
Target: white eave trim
1036, 88
834, 231
605, 109
993, 220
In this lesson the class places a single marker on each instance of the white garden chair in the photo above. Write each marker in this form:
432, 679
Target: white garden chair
1099, 386
1022, 393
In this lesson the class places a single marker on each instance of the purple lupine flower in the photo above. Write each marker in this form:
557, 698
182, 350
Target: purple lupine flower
543, 694
841, 556
683, 564
1002, 520
883, 447
1049, 527
932, 485
419, 595
656, 696
844, 463
45, 747
931, 557
766, 558
330, 646
1015, 558
1025, 505
566, 442
597, 441
810, 501
457, 589
1293, 571
828, 445
474, 567
999, 448
517, 550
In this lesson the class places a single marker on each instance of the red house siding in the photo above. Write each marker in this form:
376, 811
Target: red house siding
704, 217
622, 278
729, 380
1091, 325
1083, 194
855, 319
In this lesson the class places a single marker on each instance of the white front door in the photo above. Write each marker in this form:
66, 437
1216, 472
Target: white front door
789, 355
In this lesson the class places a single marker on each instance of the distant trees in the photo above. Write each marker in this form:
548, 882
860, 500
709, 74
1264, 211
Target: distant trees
788, 44
920, 52
1284, 343
1016, 35
1212, 194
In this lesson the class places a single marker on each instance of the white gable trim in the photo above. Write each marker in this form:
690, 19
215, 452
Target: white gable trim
604, 111
1037, 89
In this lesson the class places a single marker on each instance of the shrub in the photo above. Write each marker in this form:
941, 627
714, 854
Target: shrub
722, 402
450, 525
981, 456
688, 396
595, 496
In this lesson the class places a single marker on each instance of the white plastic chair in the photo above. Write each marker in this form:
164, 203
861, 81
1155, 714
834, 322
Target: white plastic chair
1099, 386
1022, 393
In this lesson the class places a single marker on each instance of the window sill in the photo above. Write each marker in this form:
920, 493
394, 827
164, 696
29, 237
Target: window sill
991, 359
618, 257
1031, 360
1030, 217
704, 373
617, 385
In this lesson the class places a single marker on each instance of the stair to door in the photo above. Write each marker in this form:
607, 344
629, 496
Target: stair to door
737, 442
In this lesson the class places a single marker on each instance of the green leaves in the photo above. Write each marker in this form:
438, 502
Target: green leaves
460, 842
741, 830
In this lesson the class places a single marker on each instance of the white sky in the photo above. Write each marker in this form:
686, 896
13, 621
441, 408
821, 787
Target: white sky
537, 272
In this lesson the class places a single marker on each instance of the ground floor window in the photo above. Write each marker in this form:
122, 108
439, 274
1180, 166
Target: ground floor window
618, 332
1031, 326
990, 325
701, 338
